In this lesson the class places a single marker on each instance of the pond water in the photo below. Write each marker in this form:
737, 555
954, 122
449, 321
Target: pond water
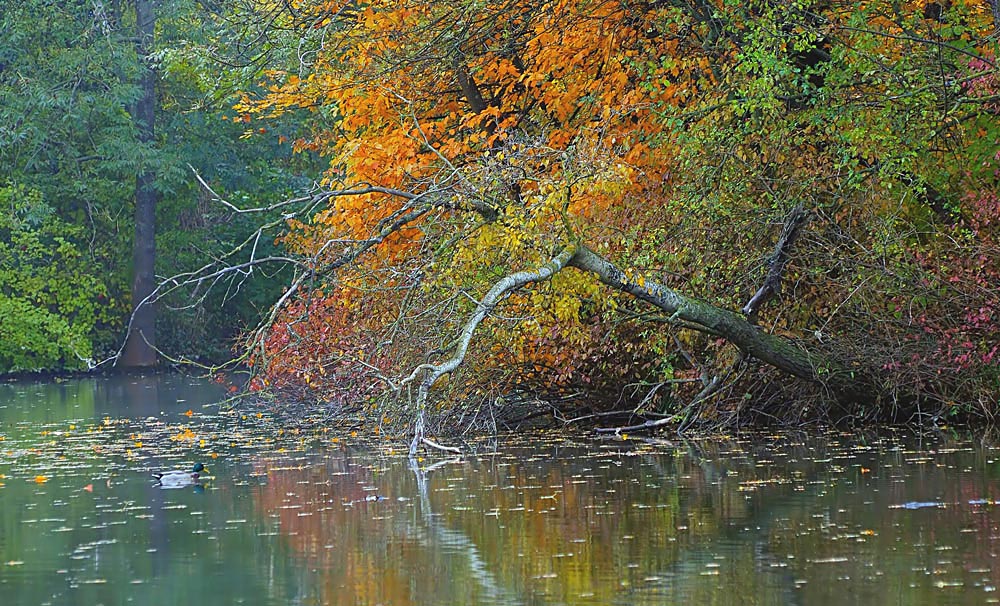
287, 516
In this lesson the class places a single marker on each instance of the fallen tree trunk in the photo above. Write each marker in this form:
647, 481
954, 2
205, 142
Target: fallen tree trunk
847, 385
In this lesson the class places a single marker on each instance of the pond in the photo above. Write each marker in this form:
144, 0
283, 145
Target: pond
286, 516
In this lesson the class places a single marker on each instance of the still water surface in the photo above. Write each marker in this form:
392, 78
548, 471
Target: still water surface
308, 517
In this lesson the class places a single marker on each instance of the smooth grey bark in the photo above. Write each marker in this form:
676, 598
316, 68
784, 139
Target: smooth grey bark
140, 344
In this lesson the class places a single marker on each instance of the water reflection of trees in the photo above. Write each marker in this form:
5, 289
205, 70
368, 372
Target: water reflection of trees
602, 522
501, 528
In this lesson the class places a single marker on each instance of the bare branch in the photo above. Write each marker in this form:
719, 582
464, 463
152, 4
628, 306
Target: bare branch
217, 198
434, 444
794, 222
432, 372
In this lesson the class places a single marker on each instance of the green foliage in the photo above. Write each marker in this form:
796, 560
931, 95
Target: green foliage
65, 84
67, 78
53, 301
32, 338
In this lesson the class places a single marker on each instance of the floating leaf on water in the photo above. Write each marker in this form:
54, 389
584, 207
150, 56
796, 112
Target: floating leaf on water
918, 505
947, 584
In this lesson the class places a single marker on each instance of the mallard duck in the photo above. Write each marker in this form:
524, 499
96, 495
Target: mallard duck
179, 478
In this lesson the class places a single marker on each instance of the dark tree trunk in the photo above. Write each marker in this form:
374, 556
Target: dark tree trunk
140, 346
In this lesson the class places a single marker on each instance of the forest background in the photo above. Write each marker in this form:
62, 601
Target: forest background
469, 214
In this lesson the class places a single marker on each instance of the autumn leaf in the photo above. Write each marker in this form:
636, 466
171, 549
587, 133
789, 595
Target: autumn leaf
184, 435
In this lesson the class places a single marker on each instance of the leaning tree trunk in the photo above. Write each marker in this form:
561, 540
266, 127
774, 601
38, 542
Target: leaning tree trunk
140, 345
847, 385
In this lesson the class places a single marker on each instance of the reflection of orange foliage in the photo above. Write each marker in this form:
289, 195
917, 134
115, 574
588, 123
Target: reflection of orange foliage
568, 521
552, 527
323, 514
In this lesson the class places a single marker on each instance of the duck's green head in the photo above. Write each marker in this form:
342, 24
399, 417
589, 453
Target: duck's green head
198, 468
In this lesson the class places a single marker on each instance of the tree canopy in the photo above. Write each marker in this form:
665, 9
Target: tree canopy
69, 156
837, 160
658, 212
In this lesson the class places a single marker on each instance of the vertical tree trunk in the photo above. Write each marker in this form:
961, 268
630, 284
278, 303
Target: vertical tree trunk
140, 346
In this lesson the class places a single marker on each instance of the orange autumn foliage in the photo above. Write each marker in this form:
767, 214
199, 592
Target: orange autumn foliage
538, 114
673, 138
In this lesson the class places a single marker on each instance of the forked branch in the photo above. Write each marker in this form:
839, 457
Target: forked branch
430, 373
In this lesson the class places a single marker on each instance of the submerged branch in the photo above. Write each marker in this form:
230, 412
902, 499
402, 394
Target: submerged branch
434, 444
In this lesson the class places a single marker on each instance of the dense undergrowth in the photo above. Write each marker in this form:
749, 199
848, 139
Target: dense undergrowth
676, 141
